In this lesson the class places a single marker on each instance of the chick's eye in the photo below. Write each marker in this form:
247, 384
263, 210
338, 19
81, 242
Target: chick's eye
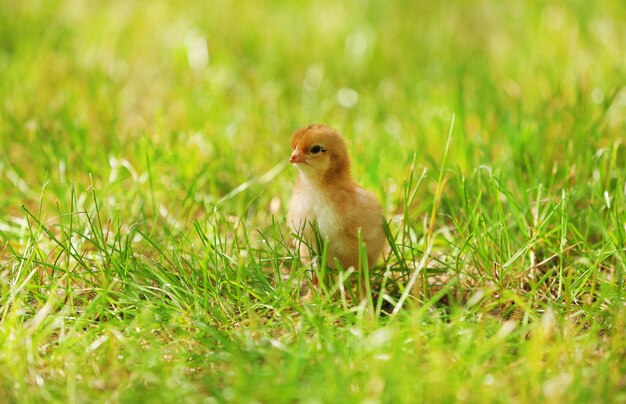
316, 149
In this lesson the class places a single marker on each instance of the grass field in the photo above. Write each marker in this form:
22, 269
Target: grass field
144, 252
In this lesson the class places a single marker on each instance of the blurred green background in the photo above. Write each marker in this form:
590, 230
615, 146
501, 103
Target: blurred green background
209, 92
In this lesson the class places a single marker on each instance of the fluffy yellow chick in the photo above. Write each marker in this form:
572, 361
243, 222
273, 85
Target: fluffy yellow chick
326, 195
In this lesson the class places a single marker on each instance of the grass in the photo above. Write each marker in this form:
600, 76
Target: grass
144, 255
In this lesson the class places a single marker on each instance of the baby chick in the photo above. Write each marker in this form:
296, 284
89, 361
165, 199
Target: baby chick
327, 196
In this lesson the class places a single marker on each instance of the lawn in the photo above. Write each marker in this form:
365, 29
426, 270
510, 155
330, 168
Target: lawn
144, 183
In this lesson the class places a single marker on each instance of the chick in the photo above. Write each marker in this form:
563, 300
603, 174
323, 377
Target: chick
326, 195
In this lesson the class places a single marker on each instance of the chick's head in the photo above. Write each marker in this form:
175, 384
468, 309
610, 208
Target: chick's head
319, 153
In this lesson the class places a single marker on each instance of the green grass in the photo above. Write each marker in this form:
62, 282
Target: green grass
144, 254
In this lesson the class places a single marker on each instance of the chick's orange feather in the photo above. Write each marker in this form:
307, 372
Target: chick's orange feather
326, 195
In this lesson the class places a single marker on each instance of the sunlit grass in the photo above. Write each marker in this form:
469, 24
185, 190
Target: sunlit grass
144, 254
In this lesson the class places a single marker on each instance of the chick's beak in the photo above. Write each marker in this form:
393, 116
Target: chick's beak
297, 156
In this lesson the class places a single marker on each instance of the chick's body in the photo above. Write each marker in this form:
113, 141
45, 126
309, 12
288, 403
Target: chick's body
326, 195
